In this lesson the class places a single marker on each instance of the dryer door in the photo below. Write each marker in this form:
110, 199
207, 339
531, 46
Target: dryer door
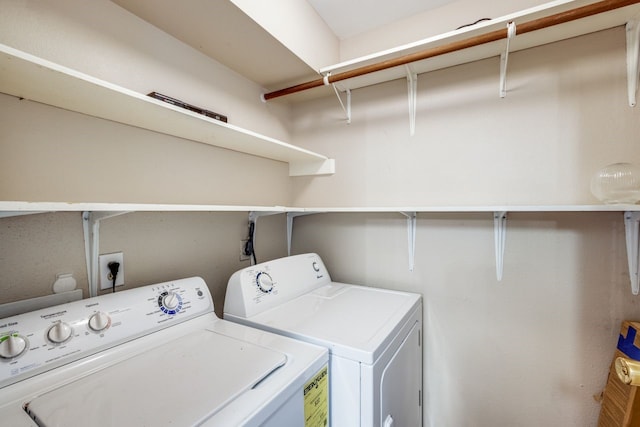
401, 384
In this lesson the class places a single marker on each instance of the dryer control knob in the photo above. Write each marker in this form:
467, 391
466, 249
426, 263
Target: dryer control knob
264, 282
99, 321
170, 300
12, 345
59, 333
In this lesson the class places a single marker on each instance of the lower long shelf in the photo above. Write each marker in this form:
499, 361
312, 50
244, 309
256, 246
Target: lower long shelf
95, 212
8, 208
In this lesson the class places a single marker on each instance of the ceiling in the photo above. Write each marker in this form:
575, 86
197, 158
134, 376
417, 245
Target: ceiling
349, 18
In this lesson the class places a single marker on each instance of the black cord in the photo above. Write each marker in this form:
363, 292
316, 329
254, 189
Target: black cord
113, 268
474, 23
249, 249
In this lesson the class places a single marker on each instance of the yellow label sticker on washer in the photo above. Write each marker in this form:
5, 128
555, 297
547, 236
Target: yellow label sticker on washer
316, 400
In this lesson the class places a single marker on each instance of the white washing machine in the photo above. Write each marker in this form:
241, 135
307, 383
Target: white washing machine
154, 356
373, 335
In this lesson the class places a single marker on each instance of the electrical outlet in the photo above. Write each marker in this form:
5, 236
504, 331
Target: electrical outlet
106, 281
243, 256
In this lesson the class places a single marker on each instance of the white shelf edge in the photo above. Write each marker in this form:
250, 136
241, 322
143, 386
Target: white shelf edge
33, 78
471, 209
38, 207
22, 207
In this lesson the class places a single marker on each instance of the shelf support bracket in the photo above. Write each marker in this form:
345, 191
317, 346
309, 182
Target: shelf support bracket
347, 108
411, 236
253, 219
412, 88
632, 228
633, 50
91, 231
504, 59
500, 235
290, 217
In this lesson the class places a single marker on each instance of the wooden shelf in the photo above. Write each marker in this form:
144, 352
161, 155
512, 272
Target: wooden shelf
36, 79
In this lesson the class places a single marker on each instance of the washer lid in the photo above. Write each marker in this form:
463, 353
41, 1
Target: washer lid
180, 383
355, 322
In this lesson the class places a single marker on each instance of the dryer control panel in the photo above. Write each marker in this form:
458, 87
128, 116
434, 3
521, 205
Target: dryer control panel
260, 287
37, 341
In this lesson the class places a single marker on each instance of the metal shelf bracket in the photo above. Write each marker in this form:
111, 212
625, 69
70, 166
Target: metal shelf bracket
347, 108
500, 235
632, 228
504, 59
290, 217
253, 219
633, 50
91, 231
412, 88
411, 236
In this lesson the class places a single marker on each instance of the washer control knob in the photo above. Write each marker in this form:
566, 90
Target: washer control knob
12, 345
264, 282
59, 332
170, 300
99, 321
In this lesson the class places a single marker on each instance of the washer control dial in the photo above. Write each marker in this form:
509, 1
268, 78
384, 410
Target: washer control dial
170, 302
99, 321
264, 282
12, 345
59, 332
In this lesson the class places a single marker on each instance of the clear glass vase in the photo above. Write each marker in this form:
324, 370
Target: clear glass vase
617, 183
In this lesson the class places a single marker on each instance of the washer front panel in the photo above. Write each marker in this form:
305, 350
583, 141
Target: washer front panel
35, 342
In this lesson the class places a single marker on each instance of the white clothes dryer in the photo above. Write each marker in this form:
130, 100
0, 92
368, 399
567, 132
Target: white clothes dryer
374, 336
154, 356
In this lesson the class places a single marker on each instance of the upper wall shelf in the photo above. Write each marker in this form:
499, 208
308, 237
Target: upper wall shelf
27, 76
547, 23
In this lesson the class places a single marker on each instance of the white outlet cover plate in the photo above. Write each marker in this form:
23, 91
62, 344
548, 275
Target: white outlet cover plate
103, 261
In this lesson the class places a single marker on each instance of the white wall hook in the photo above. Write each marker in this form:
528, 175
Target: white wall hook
631, 228
504, 59
411, 236
412, 89
500, 235
633, 50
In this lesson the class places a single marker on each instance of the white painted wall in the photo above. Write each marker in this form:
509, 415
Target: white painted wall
427, 24
534, 349
564, 117
298, 26
157, 247
47, 154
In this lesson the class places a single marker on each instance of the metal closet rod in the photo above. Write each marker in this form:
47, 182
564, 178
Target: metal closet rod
525, 27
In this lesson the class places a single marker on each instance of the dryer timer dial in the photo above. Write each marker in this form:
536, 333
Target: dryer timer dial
264, 282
